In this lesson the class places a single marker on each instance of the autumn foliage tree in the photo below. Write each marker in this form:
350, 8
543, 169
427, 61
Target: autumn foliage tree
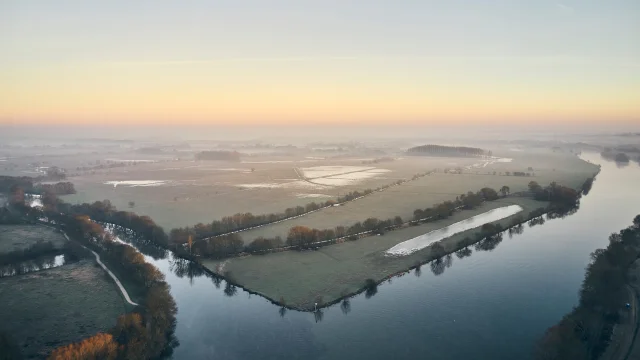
98, 347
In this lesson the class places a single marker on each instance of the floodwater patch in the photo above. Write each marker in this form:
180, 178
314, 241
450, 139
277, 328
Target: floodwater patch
311, 196
420, 242
136, 183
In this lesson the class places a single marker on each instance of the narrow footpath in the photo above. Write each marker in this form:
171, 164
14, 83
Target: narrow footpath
113, 276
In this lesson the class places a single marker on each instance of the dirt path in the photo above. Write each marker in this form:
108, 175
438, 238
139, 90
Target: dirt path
113, 276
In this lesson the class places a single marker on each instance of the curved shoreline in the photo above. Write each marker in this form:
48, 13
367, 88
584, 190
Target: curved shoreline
364, 287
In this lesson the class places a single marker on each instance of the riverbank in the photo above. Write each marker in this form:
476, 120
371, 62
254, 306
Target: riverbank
604, 323
300, 279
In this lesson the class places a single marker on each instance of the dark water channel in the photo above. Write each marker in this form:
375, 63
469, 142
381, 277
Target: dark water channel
489, 305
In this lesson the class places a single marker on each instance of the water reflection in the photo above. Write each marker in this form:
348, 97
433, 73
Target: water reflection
345, 306
38, 264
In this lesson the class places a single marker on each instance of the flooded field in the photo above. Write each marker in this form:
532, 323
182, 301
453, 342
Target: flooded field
422, 241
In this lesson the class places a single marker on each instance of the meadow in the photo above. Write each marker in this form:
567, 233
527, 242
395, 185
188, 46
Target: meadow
301, 278
49, 308
20, 237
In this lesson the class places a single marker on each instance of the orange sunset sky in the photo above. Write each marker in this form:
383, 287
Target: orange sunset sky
230, 62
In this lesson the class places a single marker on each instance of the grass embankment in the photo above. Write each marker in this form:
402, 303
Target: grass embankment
45, 309
300, 279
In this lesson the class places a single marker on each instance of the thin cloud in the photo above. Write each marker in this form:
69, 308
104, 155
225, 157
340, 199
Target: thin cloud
565, 8
237, 60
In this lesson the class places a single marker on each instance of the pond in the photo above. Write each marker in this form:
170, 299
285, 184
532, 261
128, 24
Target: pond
485, 305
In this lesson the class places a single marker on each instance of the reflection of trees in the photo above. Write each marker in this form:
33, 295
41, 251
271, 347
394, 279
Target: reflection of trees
536, 221
216, 281
448, 260
418, 271
518, 229
182, 267
463, 253
230, 290
318, 315
437, 266
489, 243
562, 213
282, 311
345, 306
371, 288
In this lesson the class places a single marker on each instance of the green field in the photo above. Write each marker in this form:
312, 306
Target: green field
332, 272
46, 309
20, 237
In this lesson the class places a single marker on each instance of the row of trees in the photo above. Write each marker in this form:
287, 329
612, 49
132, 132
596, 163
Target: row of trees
584, 333
302, 237
441, 150
147, 333
557, 194
244, 221
60, 188
218, 155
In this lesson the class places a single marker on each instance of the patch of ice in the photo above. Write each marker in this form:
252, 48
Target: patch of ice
422, 241
305, 196
135, 183
299, 184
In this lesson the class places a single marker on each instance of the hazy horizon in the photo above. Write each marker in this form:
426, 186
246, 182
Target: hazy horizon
321, 62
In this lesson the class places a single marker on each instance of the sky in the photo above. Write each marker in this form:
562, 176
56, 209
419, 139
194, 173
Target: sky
319, 62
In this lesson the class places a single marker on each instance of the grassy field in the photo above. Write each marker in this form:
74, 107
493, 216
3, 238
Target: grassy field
332, 272
402, 200
49, 308
195, 192
18, 237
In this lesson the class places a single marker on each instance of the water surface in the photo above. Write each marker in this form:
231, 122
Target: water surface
422, 241
489, 305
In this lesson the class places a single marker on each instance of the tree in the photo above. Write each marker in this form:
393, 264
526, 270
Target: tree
16, 195
505, 190
534, 187
100, 346
489, 194
622, 158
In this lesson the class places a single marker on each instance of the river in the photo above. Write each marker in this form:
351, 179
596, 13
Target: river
491, 305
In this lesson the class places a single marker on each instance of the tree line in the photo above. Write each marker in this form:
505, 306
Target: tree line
243, 221
146, 333
60, 188
218, 155
441, 150
303, 237
584, 333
